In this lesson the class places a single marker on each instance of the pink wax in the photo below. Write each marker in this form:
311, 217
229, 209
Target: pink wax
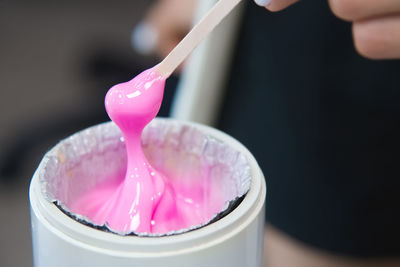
144, 201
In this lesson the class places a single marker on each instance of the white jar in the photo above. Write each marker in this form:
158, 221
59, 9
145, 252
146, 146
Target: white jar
236, 240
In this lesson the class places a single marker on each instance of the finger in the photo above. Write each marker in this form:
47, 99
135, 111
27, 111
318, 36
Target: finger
166, 43
275, 5
172, 19
278, 5
352, 10
378, 38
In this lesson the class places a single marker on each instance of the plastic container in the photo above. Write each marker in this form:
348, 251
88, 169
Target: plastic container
236, 240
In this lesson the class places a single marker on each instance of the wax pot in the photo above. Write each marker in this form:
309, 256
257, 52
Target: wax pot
179, 149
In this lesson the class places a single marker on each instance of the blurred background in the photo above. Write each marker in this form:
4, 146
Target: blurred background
57, 61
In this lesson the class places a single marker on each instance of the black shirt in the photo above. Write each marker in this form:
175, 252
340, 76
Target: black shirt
324, 124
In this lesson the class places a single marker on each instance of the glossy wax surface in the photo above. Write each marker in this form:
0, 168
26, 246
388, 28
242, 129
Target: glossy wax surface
144, 201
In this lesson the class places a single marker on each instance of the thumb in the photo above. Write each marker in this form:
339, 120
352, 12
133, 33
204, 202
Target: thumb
275, 5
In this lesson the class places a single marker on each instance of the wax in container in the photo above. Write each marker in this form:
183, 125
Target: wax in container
200, 157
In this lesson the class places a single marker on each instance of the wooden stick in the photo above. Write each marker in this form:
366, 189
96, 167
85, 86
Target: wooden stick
213, 17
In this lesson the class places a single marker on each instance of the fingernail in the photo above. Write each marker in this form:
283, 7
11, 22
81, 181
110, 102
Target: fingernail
262, 2
144, 38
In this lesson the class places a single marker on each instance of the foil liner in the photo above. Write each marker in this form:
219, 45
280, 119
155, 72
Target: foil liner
87, 158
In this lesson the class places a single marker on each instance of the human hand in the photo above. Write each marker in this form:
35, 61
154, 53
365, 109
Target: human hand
376, 24
166, 23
